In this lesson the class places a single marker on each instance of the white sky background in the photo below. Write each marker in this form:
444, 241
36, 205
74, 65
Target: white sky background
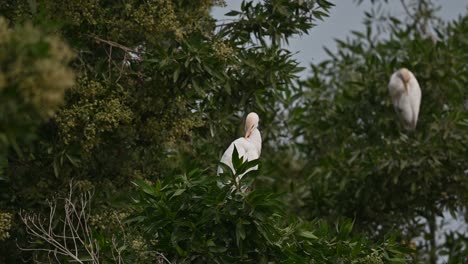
344, 17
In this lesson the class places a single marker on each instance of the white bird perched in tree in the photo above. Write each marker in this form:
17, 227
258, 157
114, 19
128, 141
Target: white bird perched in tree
249, 147
406, 97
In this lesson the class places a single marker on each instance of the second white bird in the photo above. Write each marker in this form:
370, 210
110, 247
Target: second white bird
406, 97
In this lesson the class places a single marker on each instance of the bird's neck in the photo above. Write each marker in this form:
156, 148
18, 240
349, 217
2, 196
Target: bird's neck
256, 139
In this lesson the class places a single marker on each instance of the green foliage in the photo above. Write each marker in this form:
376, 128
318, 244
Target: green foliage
161, 86
5, 225
360, 162
97, 111
34, 75
275, 20
156, 81
189, 219
33, 78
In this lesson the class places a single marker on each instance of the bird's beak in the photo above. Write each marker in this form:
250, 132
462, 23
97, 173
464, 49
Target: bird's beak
405, 77
247, 133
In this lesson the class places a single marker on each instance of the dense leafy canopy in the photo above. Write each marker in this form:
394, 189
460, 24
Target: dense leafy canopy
360, 162
152, 92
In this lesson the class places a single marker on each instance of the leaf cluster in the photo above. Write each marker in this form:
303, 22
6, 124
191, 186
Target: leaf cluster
189, 219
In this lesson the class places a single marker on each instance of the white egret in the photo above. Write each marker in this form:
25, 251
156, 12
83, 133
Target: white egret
406, 97
249, 147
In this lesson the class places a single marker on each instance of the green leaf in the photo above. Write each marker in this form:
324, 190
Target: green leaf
176, 75
144, 187
233, 13
307, 234
236, 159
178, 192
240, 232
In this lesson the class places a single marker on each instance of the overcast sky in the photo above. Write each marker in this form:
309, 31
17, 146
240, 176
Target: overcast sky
344, 17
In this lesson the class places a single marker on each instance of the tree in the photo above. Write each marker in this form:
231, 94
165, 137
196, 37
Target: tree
360, 163
149, 75
33, 78
157, 93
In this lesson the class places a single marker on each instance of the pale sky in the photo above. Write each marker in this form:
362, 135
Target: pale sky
344, 17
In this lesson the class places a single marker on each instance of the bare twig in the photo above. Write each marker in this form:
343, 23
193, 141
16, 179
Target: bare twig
129, 54
75, 242
163, 257
121, 70
109, 61
115, 44
70, 237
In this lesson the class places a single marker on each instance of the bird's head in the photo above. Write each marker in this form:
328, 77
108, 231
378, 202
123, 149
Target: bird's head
251, 123
405, 76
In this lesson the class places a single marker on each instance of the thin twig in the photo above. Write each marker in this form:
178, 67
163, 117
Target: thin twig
115, 44
405, 7
75, 232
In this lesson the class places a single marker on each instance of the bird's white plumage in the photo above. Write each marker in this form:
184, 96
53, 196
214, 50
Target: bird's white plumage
406, 97
248, 147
